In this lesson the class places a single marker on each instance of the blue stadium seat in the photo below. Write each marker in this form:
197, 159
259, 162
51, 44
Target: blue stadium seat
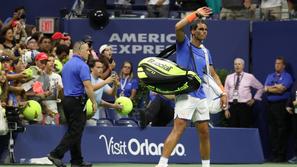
104, 122
127, 122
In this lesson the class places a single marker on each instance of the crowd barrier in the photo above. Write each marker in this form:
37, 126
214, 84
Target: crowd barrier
133, 145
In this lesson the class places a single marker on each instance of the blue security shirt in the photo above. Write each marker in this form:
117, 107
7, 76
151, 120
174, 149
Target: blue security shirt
185, 60
283, 78
74, 72
128, 86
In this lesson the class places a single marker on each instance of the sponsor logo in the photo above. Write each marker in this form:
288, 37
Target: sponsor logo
160, 64
135, 147
140, 43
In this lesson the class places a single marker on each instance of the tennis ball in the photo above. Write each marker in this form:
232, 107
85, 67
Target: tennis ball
126, 103
58, 66
89, 108
32, 111
28, 72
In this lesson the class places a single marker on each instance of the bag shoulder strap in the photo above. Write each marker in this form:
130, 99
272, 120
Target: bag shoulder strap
167, 52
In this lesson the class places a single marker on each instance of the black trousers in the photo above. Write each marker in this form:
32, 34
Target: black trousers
159, 112
278, 127
294, 128
241, 115
76, 120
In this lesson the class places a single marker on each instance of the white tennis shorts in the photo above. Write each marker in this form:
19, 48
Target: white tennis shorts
191, 108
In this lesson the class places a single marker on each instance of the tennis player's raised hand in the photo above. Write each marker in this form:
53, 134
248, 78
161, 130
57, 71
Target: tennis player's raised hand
204, 11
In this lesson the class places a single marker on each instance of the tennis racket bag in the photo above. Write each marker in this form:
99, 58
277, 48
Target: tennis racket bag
166, 77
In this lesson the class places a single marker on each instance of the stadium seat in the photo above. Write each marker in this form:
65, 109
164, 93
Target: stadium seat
104, 122
127, 122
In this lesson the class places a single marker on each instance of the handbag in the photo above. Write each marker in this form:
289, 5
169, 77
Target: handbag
3, 122
211, 89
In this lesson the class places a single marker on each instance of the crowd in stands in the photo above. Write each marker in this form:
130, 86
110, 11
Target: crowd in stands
222, 9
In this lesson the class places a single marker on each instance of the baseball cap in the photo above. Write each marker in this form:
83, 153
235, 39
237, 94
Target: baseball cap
59, 35
41, 56
87, 38
103, 47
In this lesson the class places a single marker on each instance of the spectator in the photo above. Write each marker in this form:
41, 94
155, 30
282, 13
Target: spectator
19, 14
67, 41
292, 109
271, 9
59, 39
101, 86
238, 88
238, 10
277, 88
55, 88
88, 39
105, 52
31, 43
128, 84
158, 8
62, 53
30, 29
45, 45
292, 5
19, 32
7, 40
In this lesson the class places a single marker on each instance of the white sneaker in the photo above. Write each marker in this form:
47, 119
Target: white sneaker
161, 165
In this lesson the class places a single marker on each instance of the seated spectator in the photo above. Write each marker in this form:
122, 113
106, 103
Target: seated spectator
238, 10
128, 84
271, 10
292, 5
158, 8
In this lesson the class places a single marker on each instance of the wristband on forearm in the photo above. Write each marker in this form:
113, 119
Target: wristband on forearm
191, 17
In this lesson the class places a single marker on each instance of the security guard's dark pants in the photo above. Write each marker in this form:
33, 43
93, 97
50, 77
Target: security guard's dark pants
278, 124
241, 115
76, 120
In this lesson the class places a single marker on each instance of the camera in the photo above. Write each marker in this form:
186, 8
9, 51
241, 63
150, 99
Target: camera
14, 120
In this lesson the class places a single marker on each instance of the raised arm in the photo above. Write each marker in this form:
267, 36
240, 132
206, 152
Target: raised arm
179, 27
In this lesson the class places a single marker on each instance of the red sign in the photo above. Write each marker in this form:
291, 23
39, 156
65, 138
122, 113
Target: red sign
46, 25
